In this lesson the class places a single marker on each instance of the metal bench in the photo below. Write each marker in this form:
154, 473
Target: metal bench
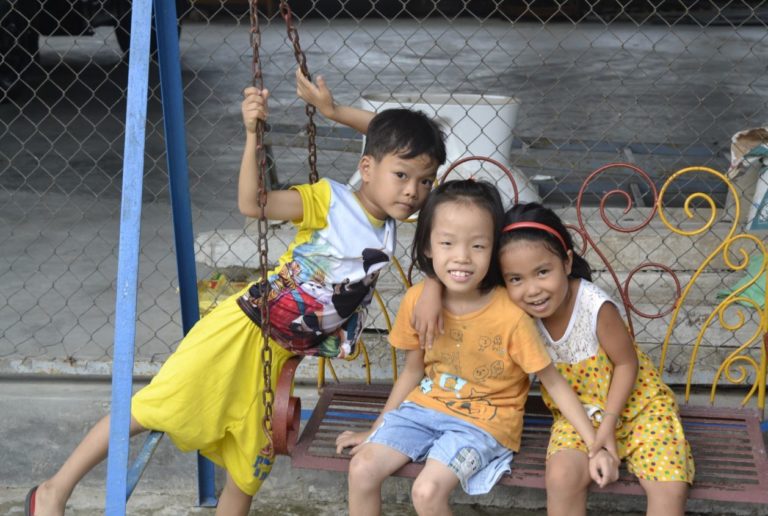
733, 469
728, 443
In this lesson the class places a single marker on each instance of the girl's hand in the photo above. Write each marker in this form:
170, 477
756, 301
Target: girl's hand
605, 438
603, 468
254, 107
427, 317
351, 439
316, 94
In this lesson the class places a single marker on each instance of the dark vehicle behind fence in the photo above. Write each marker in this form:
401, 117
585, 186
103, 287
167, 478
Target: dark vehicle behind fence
22, 22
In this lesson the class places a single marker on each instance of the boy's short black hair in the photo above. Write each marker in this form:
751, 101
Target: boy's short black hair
406, 133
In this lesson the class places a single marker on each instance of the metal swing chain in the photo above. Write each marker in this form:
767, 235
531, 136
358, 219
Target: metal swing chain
301, 60
268, 395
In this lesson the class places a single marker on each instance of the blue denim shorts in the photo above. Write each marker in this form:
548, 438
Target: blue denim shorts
477, 459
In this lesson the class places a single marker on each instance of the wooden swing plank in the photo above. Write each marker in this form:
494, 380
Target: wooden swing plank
731, 461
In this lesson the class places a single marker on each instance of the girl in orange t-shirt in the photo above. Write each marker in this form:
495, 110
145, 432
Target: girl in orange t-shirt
459, 405
634, 413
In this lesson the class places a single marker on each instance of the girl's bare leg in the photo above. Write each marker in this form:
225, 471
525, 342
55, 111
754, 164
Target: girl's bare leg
567, 480
233, 502
52, 495
665, 498
432, 488
367, 471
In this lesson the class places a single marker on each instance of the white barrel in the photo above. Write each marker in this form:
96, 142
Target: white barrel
475, 125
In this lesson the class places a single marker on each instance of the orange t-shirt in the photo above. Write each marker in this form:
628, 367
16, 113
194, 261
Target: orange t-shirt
478, 369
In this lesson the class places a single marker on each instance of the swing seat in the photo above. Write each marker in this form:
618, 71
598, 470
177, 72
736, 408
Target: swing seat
731, 462
287, 410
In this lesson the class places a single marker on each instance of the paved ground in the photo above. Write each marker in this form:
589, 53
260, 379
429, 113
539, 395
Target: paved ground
43, 420
163, 504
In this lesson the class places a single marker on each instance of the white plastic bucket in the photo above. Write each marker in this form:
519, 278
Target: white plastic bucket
475, 125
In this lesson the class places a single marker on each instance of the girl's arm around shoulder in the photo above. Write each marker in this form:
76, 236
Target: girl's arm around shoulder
408, 379
404, 333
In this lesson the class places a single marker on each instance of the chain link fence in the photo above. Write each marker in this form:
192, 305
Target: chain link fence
658, 84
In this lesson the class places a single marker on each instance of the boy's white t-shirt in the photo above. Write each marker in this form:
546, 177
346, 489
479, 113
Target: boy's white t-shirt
324, 282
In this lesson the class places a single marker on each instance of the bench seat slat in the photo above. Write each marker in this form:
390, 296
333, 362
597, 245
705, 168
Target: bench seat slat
731, 463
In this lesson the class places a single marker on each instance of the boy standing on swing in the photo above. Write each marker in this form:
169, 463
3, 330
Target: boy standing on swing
208, 394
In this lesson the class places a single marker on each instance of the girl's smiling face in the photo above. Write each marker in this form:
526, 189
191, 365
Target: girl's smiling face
461, 247
536, 279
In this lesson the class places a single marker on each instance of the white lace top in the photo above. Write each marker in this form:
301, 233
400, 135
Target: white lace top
579, 341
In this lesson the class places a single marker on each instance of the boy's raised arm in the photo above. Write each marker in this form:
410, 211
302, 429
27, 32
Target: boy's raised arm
318, 95
281, 204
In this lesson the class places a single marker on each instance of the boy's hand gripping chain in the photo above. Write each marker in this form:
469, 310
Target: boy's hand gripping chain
268, 395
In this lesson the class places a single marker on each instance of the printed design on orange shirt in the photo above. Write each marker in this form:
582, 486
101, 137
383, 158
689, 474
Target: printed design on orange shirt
450, 382
456, 335
485, 371
476, 407
451, 360
494, 343
426, 385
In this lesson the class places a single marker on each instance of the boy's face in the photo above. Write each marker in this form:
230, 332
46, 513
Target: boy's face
395, 187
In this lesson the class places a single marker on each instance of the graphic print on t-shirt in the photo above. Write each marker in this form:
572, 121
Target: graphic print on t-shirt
465, 398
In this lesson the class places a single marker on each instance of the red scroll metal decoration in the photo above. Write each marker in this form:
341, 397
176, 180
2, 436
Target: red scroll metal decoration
453, 166
486, 159
623, 289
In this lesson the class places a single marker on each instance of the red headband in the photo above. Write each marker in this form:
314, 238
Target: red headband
535, 225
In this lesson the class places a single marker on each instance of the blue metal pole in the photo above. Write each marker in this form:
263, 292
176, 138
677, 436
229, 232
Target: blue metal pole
128, 258
173, 119
142, 459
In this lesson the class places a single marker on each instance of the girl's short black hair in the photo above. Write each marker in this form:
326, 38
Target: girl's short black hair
479, 193
535, 212
406, 133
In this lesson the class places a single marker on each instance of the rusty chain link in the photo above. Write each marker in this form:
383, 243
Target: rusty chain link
268, 395
301, 60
